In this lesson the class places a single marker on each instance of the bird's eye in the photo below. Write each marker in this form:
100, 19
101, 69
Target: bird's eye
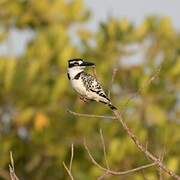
76, 64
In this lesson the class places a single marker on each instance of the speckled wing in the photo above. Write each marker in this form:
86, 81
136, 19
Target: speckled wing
93, 85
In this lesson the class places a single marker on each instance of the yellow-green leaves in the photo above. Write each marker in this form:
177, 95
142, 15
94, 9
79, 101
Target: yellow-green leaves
35, 92
10, 70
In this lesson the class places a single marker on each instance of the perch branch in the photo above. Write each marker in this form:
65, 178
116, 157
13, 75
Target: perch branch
140, 90
140, 146
90, 115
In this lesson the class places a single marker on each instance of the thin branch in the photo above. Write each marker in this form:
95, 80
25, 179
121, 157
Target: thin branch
12, 169
112, 80
117, 173
90, 115
72, 156
104, 149
141, 89
143, 149
69, 170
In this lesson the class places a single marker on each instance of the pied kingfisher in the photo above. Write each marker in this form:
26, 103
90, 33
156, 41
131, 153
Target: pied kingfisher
85, 84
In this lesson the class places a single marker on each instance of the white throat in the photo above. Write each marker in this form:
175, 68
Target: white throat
73, 71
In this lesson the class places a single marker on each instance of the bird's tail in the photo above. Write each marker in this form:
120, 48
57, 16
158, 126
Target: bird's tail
111, 106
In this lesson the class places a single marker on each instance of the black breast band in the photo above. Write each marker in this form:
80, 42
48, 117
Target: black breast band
77, 76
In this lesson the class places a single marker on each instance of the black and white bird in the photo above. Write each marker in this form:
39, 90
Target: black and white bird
85, 84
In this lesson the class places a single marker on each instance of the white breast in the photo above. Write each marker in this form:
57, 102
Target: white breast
78, 86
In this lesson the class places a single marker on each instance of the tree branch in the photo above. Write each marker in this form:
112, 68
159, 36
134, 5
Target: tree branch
143, 149
90, 115
69, 170
117, 173
149, 155
12, 169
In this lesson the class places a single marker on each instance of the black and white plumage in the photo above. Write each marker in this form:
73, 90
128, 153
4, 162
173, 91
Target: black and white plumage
85, 84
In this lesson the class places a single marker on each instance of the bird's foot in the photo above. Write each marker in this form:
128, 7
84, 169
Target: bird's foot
84, 99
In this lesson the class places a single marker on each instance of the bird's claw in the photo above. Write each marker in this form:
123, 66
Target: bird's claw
83, 99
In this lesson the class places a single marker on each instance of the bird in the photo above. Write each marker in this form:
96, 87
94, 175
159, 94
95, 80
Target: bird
86, 84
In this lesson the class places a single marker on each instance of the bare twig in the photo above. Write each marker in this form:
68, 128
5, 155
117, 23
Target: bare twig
143, 149
72, 156
90, 115
141, 89
112, 80
114, 172
12, 169
69, 170
104, 149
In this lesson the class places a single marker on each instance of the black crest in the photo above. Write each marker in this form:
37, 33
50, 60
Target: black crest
75, 62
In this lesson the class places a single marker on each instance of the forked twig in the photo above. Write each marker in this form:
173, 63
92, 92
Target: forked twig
114, 172
140, 90
69, 170
12, 169
143, 149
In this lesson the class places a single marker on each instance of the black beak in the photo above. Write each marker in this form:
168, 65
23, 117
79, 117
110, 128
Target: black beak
85, 63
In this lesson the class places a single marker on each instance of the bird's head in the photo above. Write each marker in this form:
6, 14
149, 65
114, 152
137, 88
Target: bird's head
79, 64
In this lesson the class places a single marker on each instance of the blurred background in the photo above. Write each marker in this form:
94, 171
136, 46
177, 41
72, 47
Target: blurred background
36, 40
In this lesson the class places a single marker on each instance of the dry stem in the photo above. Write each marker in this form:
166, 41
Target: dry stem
111, 171
90, 115
69, 170
143, 149
12, 169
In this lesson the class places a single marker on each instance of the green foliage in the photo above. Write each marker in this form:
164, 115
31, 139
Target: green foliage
35, 93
